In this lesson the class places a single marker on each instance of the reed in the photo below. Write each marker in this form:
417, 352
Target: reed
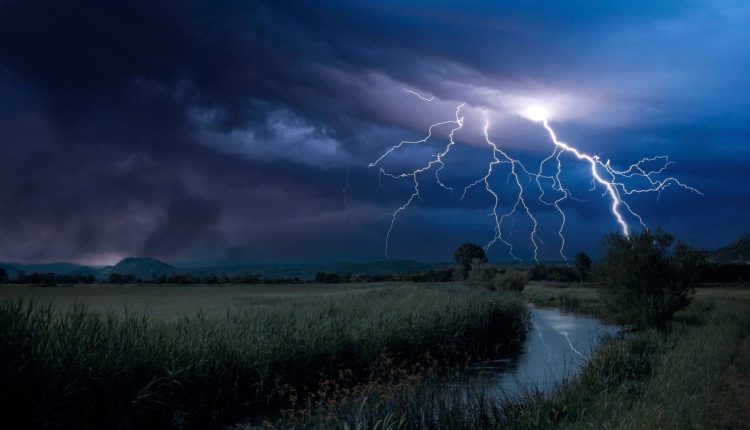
79, 369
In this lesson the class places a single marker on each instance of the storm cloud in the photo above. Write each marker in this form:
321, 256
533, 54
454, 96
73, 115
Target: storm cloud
228, 130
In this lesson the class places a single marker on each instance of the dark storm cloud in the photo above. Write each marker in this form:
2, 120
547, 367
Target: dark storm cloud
190, 225
225, 129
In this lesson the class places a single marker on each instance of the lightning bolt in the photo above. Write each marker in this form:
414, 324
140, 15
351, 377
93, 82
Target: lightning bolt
611, 179
427, 99
603, 174
501, 157
458, 123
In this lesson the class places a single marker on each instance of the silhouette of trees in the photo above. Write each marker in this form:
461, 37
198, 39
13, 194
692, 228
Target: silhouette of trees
465, 256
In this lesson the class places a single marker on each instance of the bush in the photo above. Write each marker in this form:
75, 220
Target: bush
514, 280
540, 272
582, 263
327, 278
647, 277
481, 273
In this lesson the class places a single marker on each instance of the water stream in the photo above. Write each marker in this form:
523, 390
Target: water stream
557, 346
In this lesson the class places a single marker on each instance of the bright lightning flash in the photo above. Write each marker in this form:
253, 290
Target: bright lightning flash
536, 113
603, 174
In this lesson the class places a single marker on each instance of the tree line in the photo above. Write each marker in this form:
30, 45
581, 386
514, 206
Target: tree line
52, 279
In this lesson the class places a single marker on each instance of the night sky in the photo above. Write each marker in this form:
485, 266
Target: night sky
242, 130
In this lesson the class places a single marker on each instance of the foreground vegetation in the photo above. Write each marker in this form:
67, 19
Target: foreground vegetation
691, 377
79, 369
655, 379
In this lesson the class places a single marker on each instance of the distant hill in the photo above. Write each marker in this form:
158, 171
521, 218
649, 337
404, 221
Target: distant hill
736, 252
146, 268
140, 267
56, 268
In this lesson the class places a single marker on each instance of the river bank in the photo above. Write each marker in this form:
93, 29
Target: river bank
691, 377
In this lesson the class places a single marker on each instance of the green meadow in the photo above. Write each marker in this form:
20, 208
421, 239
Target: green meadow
364, 356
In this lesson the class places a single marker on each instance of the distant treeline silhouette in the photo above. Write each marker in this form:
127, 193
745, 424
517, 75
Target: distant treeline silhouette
53, 279
711, 273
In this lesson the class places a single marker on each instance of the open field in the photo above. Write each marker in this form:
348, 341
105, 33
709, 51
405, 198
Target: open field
170, 302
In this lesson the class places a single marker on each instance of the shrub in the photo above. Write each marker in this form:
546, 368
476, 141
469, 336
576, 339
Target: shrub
327, 278
514, 280
647, 277
540, 272
582, 263
482, 273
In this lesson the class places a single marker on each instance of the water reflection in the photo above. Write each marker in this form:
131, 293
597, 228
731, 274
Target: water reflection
556, 347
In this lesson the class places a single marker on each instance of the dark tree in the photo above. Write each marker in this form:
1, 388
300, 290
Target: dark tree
116, 278
327, 278
34, 278
467, 253
3, 276
647, 277
582, 263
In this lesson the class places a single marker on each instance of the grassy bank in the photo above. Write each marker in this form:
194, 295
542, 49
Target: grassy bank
570, 297
693, 377
655, 380
80, 369
584, 298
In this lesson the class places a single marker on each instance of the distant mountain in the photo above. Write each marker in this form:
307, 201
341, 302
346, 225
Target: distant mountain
149, 268
141, 267
736, 252
56, 268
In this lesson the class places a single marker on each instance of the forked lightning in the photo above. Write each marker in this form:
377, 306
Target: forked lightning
603, 174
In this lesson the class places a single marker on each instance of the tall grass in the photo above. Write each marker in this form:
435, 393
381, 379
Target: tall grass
78, 369
649, 380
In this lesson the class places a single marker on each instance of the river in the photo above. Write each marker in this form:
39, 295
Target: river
556, 347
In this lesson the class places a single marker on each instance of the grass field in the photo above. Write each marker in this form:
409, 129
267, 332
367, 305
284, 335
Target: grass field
170, 302
74, 368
